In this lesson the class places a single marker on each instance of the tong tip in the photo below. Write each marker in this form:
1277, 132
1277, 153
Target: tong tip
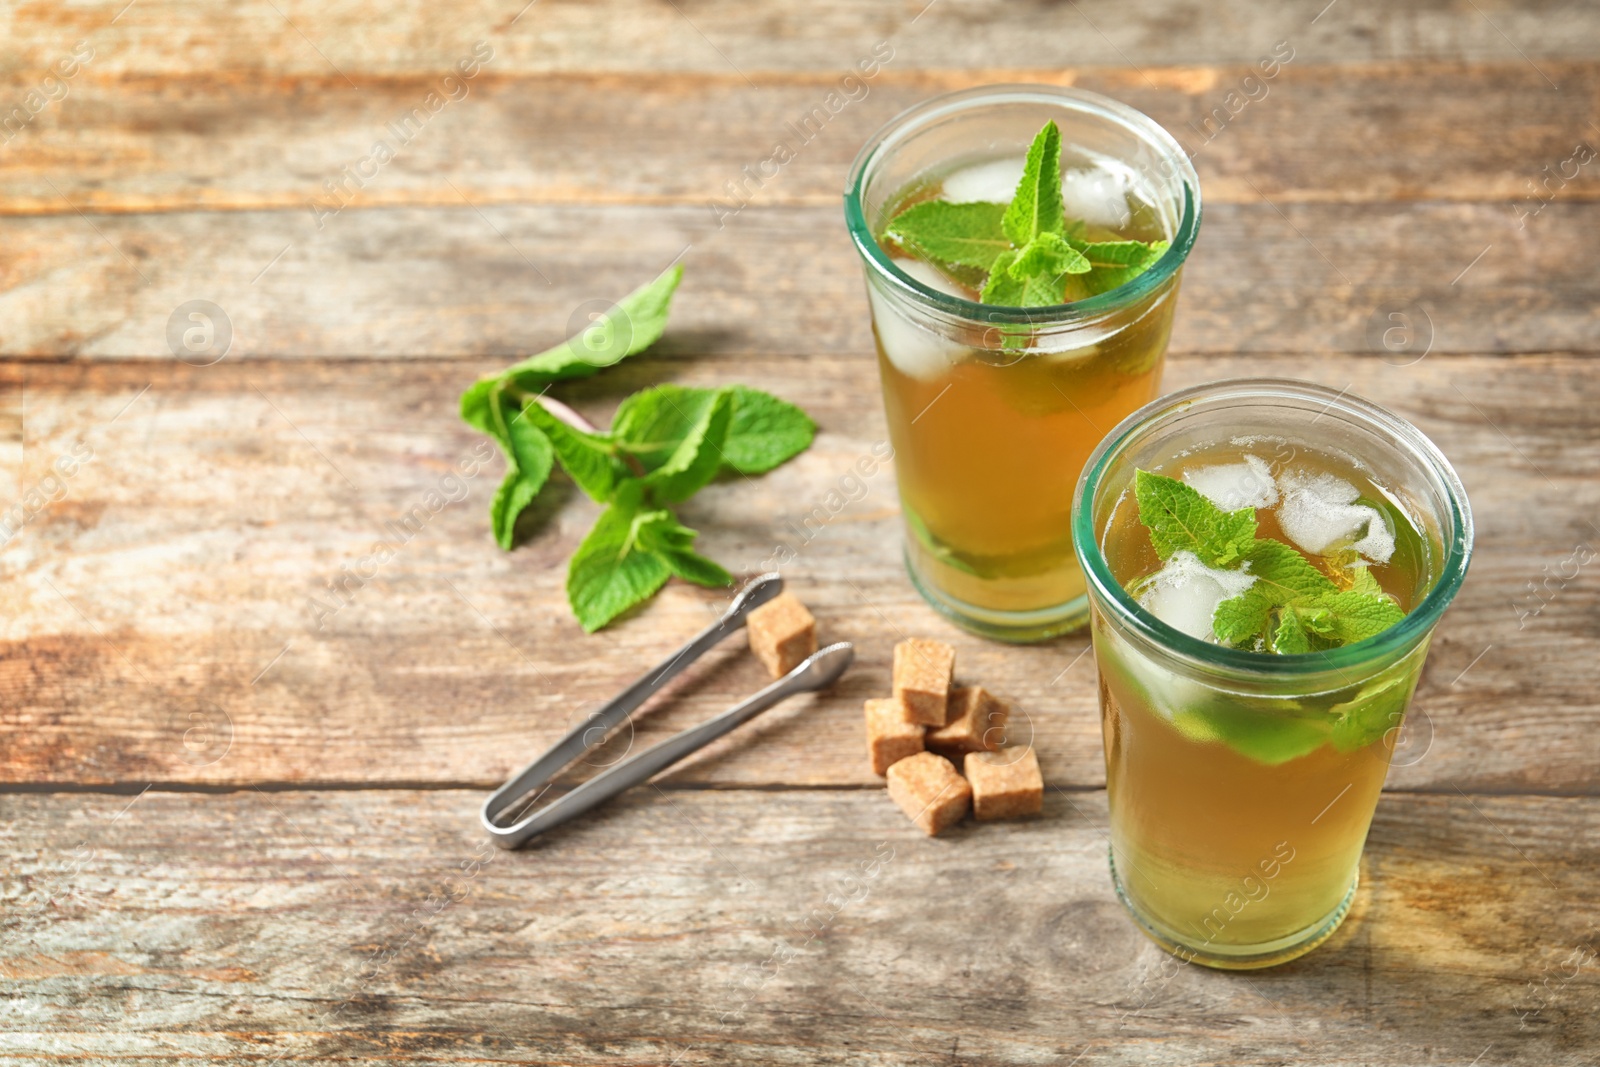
824, 666
756, 592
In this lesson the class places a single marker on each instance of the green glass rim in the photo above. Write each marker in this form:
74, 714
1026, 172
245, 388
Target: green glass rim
1103, 107
1393, 642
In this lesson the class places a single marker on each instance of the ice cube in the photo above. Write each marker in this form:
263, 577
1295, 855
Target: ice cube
1231, 486
932, 277
916, 352
1319, 512
1062, 354
1169, 693
1321, 485
995, 182
1098, 197
1185, 593
1377, 544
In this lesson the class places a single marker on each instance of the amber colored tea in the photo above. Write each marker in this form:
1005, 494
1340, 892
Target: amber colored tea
990, 438
1239, 819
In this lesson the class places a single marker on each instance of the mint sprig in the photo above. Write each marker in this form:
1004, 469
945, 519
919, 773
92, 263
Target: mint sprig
1027, 249
1292, 607
664, 445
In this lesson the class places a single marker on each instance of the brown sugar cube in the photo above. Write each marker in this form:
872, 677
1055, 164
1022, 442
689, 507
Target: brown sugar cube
977, 723
889, 737
1006, 783
929, 791
782, 634
922, 672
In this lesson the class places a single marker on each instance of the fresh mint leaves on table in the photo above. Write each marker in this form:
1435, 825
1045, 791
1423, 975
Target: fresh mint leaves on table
1291, 607
664, 445
1026, 249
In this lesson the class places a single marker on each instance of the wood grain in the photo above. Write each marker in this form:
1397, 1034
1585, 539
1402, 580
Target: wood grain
162, 619
1312, 133
356, 39
714, 928
308, 883
507, 280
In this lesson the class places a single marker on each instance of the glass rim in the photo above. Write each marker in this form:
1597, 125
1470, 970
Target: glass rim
1132, 119
1397, 640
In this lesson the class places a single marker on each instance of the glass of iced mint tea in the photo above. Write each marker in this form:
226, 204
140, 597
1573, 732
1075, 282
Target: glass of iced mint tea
1266, 561
1022, 248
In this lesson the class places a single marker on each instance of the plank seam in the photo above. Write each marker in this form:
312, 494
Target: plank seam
223, 789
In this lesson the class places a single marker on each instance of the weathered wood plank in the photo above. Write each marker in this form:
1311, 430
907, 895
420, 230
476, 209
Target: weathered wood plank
1327, 133
742, 927
358, 39
504, 280
159, 620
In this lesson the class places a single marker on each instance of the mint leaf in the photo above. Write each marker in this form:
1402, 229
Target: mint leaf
692, 567
1261, 731
1375, 710
967, 235
764, 431
586, 457
1036, 206
1355, 616
697, 458
1048, 254
1042, 290
633, 325
1240, 621
628, 556
651, 424
1268, 730
1291, 637
1040, 268
1303, 600
476, 408
1179, 518
609, 573
1002, 288
660, 534
510, 501
1362, 581
1284, 574
1290, 594
1115, 263
529, 459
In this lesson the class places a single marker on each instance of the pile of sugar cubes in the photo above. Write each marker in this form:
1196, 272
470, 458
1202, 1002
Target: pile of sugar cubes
911, 734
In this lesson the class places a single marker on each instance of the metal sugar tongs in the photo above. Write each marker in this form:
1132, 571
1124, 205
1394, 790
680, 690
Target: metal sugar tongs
820, 670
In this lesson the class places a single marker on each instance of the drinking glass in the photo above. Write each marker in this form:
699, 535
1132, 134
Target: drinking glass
992, 410
1241, 784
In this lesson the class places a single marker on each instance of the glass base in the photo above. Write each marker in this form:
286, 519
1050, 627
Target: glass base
1238, 957
1016, 627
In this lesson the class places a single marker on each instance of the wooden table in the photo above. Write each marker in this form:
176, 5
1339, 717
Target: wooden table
234, 836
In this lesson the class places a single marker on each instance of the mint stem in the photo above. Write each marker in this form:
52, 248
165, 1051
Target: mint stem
566, 414
578, 422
